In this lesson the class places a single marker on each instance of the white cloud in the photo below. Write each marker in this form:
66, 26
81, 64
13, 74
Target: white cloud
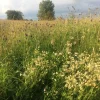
31, 6
63, 2
26, 5
4, 5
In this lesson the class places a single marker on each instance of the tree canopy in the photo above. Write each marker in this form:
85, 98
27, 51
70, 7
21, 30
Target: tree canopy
46, 10
14, 15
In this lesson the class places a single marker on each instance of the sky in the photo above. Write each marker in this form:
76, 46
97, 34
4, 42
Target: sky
62, 7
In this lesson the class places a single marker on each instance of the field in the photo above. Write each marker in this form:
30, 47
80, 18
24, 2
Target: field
50, 60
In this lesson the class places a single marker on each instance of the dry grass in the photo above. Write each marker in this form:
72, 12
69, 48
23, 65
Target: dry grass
50, 60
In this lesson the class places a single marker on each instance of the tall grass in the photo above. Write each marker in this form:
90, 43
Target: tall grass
50, 60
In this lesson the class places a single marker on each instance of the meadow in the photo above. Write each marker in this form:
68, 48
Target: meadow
50, 60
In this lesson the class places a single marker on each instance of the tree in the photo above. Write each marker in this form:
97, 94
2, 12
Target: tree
14, 15
46, 10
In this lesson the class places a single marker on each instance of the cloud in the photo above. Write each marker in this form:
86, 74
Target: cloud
27, 6
4, 5
63, 2
30, 7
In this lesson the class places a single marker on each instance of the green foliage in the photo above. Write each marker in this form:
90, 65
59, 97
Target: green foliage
14, 15
52, 60
46, 10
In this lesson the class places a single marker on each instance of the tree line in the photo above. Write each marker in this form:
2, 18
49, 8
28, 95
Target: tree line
45, 12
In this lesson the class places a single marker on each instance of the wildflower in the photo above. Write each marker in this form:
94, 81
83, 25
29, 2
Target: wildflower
60, 54
69, 44
71, 38
83, 37
52, 41
76, 54
55, 54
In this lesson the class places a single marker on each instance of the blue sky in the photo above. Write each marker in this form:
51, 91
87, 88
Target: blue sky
30, 7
